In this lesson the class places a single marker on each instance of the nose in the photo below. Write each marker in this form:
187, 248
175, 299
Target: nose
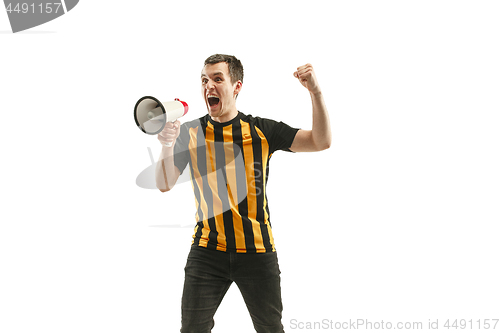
210, 84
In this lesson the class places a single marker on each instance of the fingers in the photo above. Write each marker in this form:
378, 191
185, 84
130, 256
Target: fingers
303, 72
304, 69
169, 133
306, 76
175, 124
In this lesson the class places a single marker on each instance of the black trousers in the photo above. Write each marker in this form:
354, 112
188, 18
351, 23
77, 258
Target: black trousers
208, 275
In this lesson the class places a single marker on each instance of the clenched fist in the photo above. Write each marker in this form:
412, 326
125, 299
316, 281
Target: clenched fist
307, 78
170, 133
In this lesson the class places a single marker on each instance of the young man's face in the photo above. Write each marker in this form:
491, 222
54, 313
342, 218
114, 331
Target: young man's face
218, 91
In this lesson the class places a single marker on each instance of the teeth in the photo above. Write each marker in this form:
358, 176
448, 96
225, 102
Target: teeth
212, 96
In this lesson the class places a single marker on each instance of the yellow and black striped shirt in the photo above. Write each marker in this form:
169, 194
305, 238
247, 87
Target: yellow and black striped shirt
229, 167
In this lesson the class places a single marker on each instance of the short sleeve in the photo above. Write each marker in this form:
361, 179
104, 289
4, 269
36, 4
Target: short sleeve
181, 149
278, 134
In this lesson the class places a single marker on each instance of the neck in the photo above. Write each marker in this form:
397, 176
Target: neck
225, 116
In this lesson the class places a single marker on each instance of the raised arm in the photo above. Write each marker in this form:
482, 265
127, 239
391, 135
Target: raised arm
320, 136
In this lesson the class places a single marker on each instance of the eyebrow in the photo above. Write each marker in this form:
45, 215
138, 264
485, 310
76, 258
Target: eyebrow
215, 74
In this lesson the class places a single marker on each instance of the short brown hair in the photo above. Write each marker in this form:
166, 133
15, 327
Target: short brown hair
234, 65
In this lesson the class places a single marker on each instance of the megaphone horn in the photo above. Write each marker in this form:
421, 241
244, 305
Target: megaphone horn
151, 115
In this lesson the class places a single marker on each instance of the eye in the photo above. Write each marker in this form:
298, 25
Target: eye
204, 80
218, 79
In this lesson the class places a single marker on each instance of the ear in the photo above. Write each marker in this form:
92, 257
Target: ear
237, 87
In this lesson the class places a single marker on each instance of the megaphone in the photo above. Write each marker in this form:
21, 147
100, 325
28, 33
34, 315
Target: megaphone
151, 115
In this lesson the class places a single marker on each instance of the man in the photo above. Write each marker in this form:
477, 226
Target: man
228, 154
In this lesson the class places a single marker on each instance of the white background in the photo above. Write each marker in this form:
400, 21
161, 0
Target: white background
397, 221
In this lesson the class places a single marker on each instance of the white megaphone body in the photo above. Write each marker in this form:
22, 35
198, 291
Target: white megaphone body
151, 115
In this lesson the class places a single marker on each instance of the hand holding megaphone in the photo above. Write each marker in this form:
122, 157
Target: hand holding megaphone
169, 133
154, 117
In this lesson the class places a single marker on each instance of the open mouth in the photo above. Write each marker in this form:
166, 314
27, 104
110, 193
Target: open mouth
213, 101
